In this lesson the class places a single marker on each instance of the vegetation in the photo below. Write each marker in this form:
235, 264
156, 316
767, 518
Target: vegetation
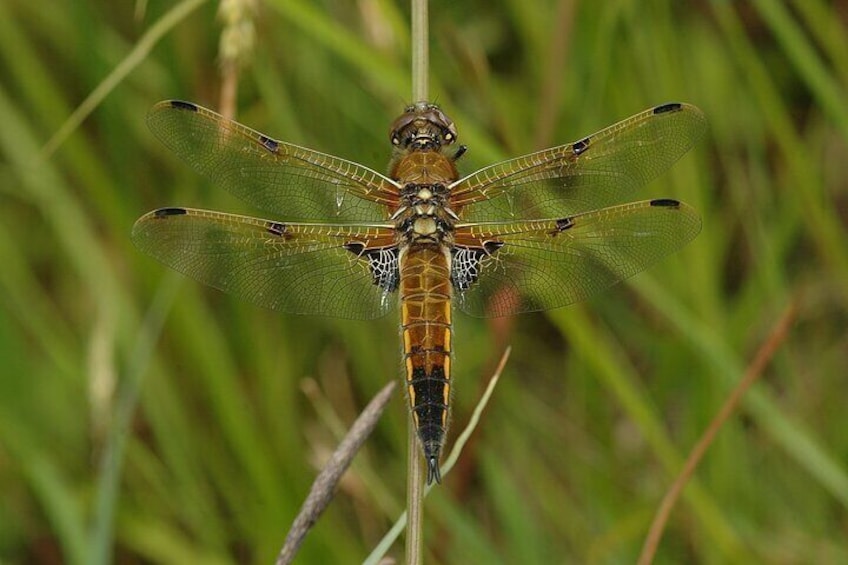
144, 418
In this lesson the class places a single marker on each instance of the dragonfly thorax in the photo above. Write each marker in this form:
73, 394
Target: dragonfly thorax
424, 222
424, 216
424, 194
425, 226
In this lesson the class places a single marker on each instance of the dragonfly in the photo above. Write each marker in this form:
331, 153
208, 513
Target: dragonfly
531, 233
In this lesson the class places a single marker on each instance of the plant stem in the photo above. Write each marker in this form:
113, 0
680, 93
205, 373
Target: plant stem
420, 51
414, 500
415, 478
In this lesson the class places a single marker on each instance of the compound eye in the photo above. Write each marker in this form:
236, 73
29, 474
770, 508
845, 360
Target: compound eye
448, 136
395, 140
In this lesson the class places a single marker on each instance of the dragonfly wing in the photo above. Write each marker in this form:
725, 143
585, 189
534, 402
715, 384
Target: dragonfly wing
285, 179
509, 268
345, 271
598, 171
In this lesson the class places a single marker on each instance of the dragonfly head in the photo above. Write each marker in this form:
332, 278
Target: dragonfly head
422, 126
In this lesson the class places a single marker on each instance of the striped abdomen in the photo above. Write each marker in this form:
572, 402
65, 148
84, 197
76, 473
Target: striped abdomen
425, 299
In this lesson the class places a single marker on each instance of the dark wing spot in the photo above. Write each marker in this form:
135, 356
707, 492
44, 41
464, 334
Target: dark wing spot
467, 263
355, 247
580, 146
269, 143
666, 108
382, 262
490, 247
665, 203
564, 224
180, 105
276, 228
165, 212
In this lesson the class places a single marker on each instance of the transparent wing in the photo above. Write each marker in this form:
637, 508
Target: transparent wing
598, 171
297, 268
543, 264
290, 181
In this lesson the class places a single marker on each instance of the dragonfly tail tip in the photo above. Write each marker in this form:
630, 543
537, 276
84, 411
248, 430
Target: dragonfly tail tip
433, 471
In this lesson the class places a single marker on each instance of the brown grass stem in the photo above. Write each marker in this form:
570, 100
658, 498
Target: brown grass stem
325, 483
752, 373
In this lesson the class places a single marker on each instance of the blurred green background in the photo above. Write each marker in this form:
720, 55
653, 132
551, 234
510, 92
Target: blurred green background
144, 418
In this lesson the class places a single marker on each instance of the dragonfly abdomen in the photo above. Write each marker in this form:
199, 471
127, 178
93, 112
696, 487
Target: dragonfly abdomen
425, 298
